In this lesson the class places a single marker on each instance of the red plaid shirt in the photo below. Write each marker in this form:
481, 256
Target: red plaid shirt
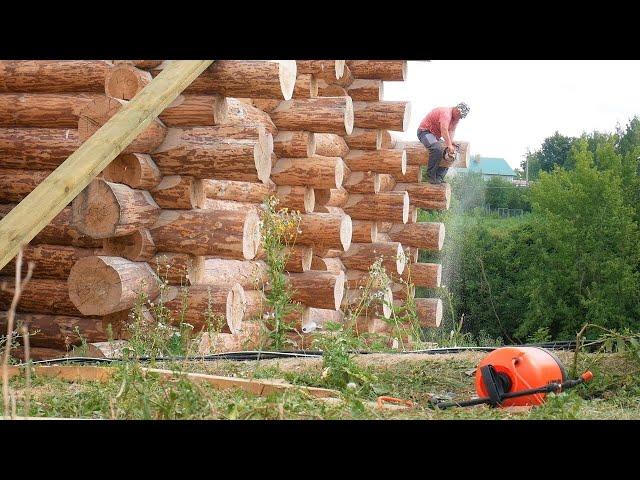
438, 118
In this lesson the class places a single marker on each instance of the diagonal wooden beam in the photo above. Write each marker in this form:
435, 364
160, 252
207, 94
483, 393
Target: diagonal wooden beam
48, 199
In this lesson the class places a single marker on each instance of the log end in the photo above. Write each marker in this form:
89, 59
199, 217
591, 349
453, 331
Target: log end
125, 81
262, 160
346, 232
311, 145
401, 260
441, 235
338, 290
374, 232
96, 211
387, 305
340, 64
95, 114
287, 73
405, 208
348, 116
251, 235
235, 308
406, 117
438, 275
403, 162
340, 172
309, 199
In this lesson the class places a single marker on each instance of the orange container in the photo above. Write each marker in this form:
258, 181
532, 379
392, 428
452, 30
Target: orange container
524, 368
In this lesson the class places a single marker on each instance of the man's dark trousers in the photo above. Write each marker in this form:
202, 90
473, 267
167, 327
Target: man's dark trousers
436, 153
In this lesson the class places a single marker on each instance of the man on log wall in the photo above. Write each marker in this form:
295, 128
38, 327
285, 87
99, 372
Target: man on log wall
436, 132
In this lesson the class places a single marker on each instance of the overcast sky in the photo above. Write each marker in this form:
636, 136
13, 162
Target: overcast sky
515, 105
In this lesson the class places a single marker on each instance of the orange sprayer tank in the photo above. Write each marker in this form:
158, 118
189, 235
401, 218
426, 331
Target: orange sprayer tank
522, 368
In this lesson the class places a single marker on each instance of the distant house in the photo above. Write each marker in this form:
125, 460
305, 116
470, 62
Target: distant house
490, 168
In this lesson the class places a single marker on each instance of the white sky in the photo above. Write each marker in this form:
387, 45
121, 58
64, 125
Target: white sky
515, 105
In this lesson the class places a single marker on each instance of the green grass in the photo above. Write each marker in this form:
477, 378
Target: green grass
614, 393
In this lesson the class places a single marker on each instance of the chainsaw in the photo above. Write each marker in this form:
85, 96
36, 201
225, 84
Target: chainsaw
451, 155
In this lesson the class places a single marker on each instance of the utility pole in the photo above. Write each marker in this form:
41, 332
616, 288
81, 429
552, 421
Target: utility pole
527, 169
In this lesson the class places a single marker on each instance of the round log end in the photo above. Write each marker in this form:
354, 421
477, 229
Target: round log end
405, 208
125, 81
338, 290
220, 109
307, 258
95, 114
340, 68
374, 232
311, 145
313, 87
447, 195
376, 183
346, 232
348, 116
309, 199
403, 162
96, 211
441, 235
401, 260
381, 91
387, 306
287, 73
406, 117
405, 69
340, 168
235, 308
251, 235
262, 161
438, 275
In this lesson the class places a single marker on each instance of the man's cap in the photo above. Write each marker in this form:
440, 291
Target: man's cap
464, 109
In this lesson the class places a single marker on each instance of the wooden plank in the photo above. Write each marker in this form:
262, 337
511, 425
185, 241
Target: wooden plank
72, 373
76, 172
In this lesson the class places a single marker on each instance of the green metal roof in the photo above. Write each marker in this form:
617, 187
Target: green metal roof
490, 166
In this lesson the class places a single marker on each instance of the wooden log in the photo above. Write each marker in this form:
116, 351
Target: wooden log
15, 184
136, 170
238, 191
301, 199
332, 197
386, 115
362, 90
326, 252
461, 160
53, 76
306, 86
298, 144
322, 115
39, 353
256, 304
364, 139
106, 209
355, 279
362, 182
326, 229
392, 162
384, 227
427, 195
371, 324
50, 261
100, 285
191, 111
364, 231
317, 289
376, 302
427, 275
299, 258
43, 110
60, 331
178, 268
331, 69
124, 81
137, 246
216, 152
24, 222
429, 311
231, 111
40, 295
143, 64
316, 172
412, 175
402, 291
330, 145
215, 204
361, 256
319, 317
60, 231
36, 148
426, 235
387, 140
389, 206
245, 78
330, 90
387, 182
179, 192
221, 233
332, 265
413, 254
100, 109
413, 214
388, 70
225, 273
417, 154
267, 105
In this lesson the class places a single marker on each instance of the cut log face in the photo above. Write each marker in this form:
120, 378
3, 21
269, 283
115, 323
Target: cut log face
43, 110
98, 112
36, 148
221, 233
15, 184
199, 305
386, 115
427, 195
40, 295
245, 78
322, 115
429, 312
101, 285
299, 259
362, 182
137, 247
294, 144
125, 81
191, 111
426, 235
389, 206
178, 268
136, 170
60, 231
328, 198
231, 111
222, 152
179, 192
392, 162
364, 139
106, 209
361, 256
388, 70
301, 199
53, 76
225, 273
326, 229
427, 275
238, 191
317, 289
50, 261
330, 145
364, 231
362, 90
306, 86
317, 172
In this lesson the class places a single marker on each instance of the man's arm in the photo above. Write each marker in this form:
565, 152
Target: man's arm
445, 120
